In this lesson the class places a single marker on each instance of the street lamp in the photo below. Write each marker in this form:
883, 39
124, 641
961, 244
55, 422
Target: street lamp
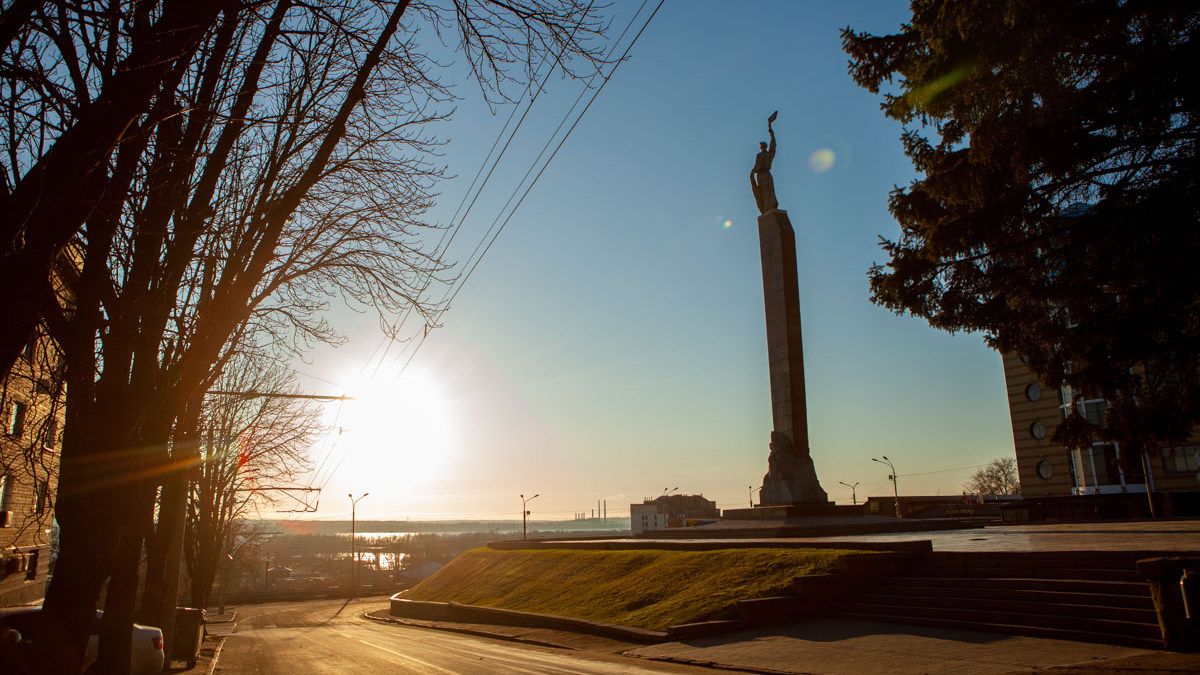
667, 491
524, 513
353, 551
853, 494
892, 477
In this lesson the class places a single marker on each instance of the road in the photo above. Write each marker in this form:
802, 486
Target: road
330, 636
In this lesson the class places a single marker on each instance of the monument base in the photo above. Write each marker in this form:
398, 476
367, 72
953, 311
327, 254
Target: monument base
791, 511
791, 480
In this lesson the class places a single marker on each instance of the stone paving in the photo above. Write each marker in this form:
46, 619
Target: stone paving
1166, 535
1158, 535
836, 646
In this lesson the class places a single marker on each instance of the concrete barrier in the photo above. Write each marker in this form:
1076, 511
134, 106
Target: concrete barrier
916, 546
1179, 632
452, 611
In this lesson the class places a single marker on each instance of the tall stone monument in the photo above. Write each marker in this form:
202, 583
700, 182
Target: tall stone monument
791, 478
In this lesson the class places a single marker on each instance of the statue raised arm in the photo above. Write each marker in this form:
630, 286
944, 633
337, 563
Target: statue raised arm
761, 182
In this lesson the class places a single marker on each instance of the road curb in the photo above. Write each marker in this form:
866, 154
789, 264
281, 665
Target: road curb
212, 665
716, 664
467, 631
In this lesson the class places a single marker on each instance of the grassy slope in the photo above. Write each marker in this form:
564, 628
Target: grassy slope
648, 589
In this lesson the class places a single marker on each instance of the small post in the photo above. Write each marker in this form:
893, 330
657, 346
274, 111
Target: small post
525, 514
892, 477
353, 550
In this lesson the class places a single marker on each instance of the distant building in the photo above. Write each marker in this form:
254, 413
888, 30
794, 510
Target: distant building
31, 405
1047, 469
938, 506
671, 511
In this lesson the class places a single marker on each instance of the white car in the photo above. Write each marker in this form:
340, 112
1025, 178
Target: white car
147, 645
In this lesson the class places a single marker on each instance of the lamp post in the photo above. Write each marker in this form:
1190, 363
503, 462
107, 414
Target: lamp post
353, 551
853, 494
895, 487
525, 513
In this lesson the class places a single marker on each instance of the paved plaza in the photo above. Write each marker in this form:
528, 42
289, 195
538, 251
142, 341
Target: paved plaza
836, 646
1162, 535
1142, 535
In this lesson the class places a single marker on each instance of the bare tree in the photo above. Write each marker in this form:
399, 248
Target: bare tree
997, 477
286, 166
247, 443
78, 76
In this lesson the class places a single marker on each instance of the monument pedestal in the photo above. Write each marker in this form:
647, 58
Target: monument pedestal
793, 511
791, 478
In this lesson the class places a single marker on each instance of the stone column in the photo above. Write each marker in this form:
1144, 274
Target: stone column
791, 478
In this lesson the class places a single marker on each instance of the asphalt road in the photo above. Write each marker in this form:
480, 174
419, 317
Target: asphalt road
330, 636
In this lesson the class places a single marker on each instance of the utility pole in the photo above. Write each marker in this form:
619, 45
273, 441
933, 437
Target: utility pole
353, 550
895, 486
525, 513
853, 494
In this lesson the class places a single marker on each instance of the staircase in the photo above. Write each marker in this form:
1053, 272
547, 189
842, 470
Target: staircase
1085, 596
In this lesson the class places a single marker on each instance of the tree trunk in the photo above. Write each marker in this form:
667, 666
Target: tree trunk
116, 648
162, 591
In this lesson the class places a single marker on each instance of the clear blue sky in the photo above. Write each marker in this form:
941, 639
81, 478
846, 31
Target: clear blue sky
612, 342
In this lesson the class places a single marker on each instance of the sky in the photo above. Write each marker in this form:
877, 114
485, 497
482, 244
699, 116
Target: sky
611, 344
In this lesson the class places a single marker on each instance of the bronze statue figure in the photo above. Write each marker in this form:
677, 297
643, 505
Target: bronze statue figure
761, 183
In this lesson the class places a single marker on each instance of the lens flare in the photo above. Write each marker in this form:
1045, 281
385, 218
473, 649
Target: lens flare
822, 160
727, 224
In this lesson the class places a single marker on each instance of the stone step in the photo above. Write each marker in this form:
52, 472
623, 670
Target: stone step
1117, 560
1032, 631
1026, 571
1056, 596
1139, 589
968, 615
1031, 607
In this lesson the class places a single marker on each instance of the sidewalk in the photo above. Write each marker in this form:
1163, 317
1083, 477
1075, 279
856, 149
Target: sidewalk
836, 646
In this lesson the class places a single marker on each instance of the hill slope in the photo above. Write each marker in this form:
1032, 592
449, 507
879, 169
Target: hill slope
648, 589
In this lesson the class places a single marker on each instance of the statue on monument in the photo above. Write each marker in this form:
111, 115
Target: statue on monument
761, 182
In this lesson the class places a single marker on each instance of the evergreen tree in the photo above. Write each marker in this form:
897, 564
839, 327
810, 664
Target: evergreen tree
1056, 206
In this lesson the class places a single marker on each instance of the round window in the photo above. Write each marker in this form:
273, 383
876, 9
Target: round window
1045, 470
1033, 392
1024, 358
1037, 430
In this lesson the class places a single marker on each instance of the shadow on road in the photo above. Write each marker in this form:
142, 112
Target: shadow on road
337, 613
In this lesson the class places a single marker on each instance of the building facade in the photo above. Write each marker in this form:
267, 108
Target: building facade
1047, 469
671, 511
31, 404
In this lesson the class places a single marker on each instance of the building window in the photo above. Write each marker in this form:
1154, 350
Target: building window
1033, 392
1037, 430
5, 491
1045, 470
16, 418
31, 568
40, 505
51, 440
1183, 459
1092, 409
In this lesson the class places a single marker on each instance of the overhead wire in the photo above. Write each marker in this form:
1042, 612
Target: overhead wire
453, 292
453, 230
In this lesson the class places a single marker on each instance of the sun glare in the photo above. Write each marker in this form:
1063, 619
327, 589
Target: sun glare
400, 426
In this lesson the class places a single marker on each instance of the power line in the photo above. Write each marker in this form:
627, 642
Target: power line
926, 473
453, 230
455, 290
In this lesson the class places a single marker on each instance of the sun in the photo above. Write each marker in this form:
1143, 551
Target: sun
398, 425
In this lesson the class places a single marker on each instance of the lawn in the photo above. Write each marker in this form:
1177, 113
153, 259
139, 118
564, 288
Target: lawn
648, 588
